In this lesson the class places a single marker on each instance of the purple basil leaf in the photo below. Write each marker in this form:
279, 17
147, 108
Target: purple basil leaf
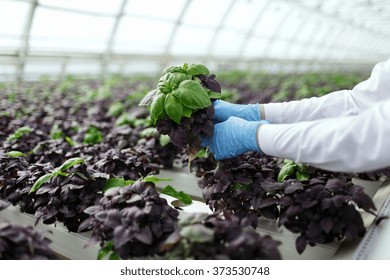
326, 224
293, 188
121, 236
269, 201
300, 244
313, 229
309, 204
339, 200
93, 209
144, 235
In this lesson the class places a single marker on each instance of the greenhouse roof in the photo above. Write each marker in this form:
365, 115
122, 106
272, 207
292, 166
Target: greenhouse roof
57, 37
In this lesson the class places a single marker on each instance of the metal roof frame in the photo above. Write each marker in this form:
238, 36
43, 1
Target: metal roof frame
375, 45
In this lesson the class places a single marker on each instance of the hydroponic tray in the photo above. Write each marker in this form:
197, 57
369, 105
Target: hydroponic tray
68, 244
373, 246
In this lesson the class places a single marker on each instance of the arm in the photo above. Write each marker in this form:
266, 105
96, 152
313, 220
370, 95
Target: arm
346, 144
335, 104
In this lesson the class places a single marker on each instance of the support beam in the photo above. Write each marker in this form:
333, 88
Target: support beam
24, 49
335, 17
219, 28
250, 32
274, 36
107, 55
292, 39
167, 51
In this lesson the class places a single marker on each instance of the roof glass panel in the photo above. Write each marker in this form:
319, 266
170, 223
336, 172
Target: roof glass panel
277, 49
167, 10
111, 34
243, 14
9, 43
44, 67
6, 68
191, 41
292, 25
228, 43
94, 6
81, 32
12, 20
136, 67
307, 30
255, 47
273, 17
205, 13
83, 68
316, 43
138, 35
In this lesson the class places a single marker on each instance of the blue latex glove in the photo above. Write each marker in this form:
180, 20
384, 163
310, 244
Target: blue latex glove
233, 137
224, 110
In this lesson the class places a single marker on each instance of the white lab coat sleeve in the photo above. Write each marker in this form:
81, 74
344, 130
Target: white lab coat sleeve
346, 144
336, 104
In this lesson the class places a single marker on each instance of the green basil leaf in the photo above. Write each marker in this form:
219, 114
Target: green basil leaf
154, 179
56, 132
302, 176
70, 162
157, 107
169, 190
19, 133
202, 153
304, 168
171, 81
197, 69
164, 140
93, 136
213, 94
173, 107
116, 109
173, 69
286, 171
38, 183
16, 154
116, 182
114, 256
57, 172
70, 141
198, 233
193, 95
149, 132
187, 112
163, 85
238, 186
183, 197
175, 79
104, 251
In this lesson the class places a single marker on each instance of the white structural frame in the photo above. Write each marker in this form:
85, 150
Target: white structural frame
375, 43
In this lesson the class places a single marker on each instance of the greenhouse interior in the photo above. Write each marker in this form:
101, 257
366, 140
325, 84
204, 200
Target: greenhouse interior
115, 113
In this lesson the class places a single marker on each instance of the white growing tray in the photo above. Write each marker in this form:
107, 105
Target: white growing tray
68, 244
72, 245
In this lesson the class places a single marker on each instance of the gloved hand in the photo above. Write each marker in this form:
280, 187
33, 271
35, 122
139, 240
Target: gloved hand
224, 110
233, 137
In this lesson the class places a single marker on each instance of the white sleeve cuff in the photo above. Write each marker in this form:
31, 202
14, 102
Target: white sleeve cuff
265, 139
272, 112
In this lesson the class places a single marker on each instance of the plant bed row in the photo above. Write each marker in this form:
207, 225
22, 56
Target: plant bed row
71, 245
92, 153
